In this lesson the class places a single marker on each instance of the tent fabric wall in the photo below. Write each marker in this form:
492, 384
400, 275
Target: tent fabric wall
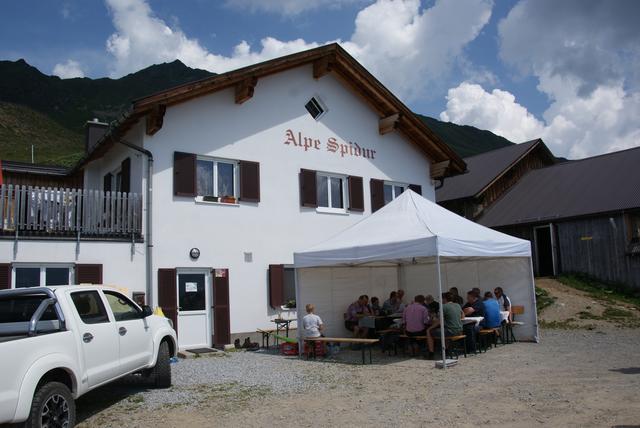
332, 290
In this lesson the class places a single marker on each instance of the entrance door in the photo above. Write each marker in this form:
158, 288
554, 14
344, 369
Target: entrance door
194, 325
544, 250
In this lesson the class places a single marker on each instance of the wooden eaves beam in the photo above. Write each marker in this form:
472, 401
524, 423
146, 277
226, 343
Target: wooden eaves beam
388, 123
439, 169
155, 118
323, 66
245, 88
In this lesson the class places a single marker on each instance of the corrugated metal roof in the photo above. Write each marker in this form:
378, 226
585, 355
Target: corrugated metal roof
483, 168
31, 168
593, 185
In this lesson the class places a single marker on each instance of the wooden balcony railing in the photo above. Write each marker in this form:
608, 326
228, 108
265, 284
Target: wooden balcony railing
51, 212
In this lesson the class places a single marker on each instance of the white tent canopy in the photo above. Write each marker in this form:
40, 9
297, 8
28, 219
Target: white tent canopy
415, 245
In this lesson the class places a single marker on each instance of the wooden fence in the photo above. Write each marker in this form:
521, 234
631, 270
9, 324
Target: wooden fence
28, 210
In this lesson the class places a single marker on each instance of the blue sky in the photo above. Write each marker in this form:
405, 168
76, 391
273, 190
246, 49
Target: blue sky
566, 72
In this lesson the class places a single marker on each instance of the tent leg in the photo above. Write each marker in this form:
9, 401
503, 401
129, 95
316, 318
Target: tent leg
442, 339
298, 313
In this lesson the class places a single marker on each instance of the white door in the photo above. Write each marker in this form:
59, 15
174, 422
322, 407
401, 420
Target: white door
100, 344
194, 326
136, 341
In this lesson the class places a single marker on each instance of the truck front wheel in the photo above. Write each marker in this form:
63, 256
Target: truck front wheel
161, 373
52, 406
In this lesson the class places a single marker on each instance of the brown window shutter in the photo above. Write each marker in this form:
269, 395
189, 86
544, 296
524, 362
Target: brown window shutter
416, 188
356, 194
125, 172
88, 274
221, 314
168, 294
377, 194
106, 182
276, 286
5, 276
184, 174
249, 181
308, 190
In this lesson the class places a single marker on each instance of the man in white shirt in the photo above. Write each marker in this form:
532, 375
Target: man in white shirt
312, 323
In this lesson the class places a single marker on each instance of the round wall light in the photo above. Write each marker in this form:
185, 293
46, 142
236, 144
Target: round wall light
194, 253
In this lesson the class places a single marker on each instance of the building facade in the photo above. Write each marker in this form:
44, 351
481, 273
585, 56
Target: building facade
204, 192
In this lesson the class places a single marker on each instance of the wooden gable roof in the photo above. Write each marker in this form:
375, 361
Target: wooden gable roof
333, 59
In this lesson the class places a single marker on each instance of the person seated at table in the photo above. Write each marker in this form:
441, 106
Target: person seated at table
491, 311
473, 307
452, 315
432, 305
375, 306
390, 306
503, 300
357, 310
415, 319
456, 296
401, 304
312, 323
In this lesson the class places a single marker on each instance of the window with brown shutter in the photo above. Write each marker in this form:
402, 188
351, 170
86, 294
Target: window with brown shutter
5, 276
221, 312
249, 181
167, 294
416, 188
184, 174
276, 286
106, 182
89, 273
308, 195
377, 194
356, 194
125, 172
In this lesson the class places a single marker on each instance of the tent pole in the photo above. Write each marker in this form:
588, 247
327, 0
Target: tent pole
442, 343
298, 313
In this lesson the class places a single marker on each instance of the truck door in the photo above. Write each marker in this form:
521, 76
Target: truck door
98, 335
136, 341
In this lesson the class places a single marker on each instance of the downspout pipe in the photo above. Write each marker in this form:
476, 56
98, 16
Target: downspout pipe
148, 219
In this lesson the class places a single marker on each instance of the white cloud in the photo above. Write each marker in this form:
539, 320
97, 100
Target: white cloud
576, 127
68, 70
288, 7
407, 47
586, 57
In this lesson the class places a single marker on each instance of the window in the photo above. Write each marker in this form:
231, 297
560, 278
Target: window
90, 307
122, 308
315, 107
42, 275
331, 191
392, 191
21, 308
289, 288
215, 177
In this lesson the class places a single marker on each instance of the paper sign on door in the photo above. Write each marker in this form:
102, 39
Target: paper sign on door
191, 287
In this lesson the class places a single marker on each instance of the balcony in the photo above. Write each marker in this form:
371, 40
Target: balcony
49, 213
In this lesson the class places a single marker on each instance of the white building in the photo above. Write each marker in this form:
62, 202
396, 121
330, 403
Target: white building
245, 167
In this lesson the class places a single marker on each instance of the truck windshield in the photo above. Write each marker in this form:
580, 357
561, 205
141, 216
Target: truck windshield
21, 308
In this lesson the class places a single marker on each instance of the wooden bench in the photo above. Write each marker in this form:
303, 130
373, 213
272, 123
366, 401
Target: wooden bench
366, 343
453, 340
266, 334
484, 334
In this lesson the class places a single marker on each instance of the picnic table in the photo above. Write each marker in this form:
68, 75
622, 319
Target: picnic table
366, 343
281, 325
475, 320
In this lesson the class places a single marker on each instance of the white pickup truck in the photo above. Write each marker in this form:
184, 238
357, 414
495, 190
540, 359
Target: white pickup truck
57, 343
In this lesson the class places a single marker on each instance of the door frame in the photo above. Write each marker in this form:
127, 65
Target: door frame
554, 265
208, 298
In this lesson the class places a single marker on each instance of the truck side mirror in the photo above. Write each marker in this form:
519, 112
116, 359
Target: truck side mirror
146, 311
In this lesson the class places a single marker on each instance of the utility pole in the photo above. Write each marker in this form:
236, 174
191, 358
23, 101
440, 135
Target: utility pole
32, 155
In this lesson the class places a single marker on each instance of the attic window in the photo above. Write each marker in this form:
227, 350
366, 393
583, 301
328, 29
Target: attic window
315, 107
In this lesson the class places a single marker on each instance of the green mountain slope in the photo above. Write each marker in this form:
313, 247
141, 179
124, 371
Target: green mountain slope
465, 140
50, 112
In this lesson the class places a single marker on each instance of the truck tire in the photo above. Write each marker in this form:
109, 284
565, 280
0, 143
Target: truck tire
52, 406
161, 372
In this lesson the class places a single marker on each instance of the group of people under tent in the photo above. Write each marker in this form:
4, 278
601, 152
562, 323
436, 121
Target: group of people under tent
421, 316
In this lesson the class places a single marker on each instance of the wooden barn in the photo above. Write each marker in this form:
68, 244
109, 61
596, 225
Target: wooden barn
581, 216
489, 175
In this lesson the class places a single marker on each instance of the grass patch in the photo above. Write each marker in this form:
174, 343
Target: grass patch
543, 299
568, 324
611, 293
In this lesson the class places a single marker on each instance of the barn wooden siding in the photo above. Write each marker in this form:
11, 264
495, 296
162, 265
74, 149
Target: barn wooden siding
74, 181
596, 246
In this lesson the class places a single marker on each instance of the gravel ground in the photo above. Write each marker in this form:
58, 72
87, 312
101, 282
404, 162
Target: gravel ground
572, 378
